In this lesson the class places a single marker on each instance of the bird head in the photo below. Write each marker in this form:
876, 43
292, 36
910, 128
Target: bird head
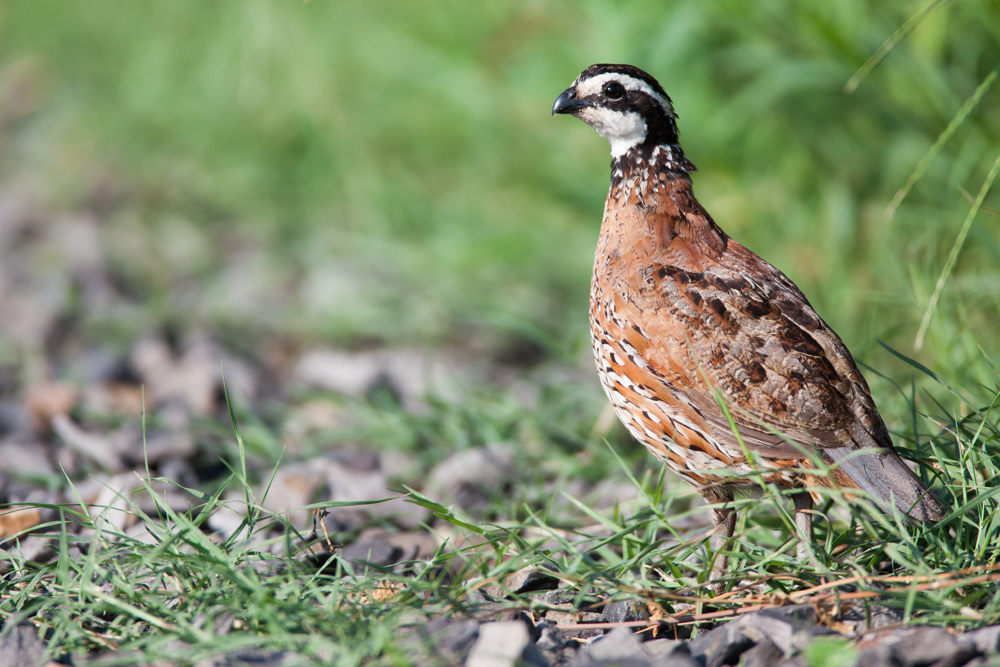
624, 104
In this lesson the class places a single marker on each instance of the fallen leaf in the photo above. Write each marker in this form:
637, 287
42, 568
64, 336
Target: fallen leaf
15, 519
48, 400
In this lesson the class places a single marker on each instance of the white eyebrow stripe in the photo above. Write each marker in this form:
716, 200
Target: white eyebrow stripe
593, 86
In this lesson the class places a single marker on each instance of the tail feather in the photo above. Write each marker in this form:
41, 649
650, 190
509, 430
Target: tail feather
885, 475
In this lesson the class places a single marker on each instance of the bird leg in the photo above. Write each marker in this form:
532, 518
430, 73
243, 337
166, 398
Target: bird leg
725, 524
803, 523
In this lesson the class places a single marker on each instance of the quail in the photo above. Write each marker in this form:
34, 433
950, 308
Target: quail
685, 321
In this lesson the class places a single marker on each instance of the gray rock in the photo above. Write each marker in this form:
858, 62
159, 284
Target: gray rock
523, 617
504, 645
619, 647
681, 657
721, 646
764, 654
980, 662
466, 478
347, 483
928, 645
796, 661
191, 378
223, 624
671, 653
36, 549
292, 487
789, 628
661, 648
99, 448
861, 618
556, 597
624, 611
15, 422
413, 545
410, 374
877, 656
377, 552
20, 647
444, 640
523, 581
557, 650
984, 640
489, 611
338, 371
27, 457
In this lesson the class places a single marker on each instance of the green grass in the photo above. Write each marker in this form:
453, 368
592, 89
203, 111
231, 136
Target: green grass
170, 598
389, 173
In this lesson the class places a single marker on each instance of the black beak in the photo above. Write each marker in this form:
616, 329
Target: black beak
567, 103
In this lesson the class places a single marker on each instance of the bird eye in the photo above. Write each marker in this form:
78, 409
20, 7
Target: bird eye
614, 91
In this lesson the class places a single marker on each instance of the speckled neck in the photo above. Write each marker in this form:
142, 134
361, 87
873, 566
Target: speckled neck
642, 169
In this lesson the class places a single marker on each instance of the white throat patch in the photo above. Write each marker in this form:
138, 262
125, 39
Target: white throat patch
623, 130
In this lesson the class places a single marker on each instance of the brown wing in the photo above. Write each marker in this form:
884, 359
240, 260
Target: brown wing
728, 334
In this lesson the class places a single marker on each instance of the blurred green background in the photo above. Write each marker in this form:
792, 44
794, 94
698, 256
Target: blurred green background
388, 172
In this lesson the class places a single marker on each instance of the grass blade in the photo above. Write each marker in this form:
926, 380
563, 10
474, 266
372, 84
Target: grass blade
956, 248
925, 162
901, 33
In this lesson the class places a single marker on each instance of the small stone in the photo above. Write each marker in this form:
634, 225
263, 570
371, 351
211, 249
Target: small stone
20, 647
661, 648
338, 371
26, 458
414, 546
315, 558
523, 581
100, 449
520, 616
787, 627
223, 624
861, 618
452, 640
111, 511
929, 645
485, 612
293, 487
877, 656
679, 657
571, 616
504, 645
192, 378
377, 552
721, 646
15, 419
624, 611
619, 646
310, 417
347, 484
556, 597
764, 654
799, 661
36, 549
466, 478
549, 636
984, 640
